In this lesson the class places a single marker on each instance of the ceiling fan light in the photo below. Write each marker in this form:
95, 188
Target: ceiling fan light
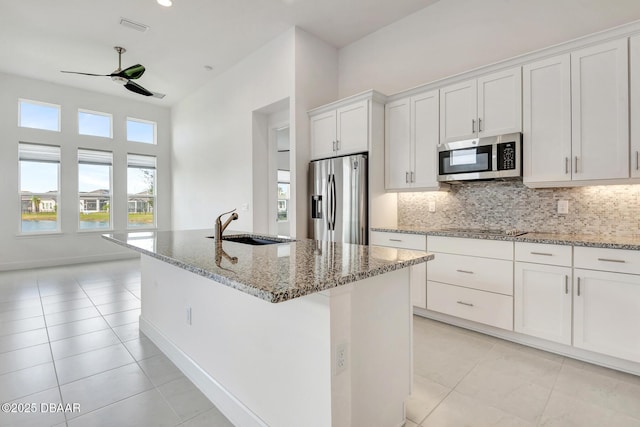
165, 3
120, 80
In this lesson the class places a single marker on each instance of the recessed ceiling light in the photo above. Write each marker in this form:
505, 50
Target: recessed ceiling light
165, 3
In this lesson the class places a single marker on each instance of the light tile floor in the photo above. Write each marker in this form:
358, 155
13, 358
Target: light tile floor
70, 335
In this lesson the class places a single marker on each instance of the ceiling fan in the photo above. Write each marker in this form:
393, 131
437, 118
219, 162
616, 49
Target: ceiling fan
125, 77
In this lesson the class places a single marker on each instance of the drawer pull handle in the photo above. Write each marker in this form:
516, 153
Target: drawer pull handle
395, 240
465, 271
541, 253
621, 261
468, 304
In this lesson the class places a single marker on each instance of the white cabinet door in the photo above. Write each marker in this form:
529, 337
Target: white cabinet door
425, 138
542, 301
635, 106
600, 111
323, 135
418, 280
459, 111
500, 103
353, 128
397, 144
547, 120
607, 313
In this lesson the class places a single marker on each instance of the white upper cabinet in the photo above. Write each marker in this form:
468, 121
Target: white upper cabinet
397, 144
635, 106
547, 120
411, 142
600, 111
500, 103
339, 132
487, 106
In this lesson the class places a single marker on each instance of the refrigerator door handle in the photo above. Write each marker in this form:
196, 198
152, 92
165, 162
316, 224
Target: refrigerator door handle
333, 202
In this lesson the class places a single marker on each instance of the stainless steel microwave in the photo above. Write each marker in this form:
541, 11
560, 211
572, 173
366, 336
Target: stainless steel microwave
495, 157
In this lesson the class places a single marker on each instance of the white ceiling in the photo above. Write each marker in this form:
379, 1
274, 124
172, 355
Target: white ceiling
38, 38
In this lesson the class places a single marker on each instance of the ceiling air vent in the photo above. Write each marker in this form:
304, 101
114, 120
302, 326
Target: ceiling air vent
133, 25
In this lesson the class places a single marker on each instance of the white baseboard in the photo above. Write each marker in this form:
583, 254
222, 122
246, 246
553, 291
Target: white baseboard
56, 262
541, 344
229, 405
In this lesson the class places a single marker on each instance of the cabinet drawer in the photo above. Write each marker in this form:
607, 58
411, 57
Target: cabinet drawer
486, 274
416, 242
543, 253
474, 247
484, 307
617, 260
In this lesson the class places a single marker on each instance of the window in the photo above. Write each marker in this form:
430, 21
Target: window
95, 123
38, 115
141, 131
141, 189
94, 189
284, 178
39, 188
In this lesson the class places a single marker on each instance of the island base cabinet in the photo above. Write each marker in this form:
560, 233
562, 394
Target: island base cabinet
542, 301
418, 278
277, 364
471, 304
607, 313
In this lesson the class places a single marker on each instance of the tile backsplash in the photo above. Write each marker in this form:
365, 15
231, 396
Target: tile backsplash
611, 209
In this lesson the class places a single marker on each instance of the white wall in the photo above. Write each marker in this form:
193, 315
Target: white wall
453, 36
70, 246
212, 137
214, 128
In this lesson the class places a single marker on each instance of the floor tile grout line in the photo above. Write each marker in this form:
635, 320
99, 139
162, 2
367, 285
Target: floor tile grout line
555, 381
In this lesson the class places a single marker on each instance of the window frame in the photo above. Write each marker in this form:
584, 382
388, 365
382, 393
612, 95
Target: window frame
95, 113
46, 104
58, 193
151, 122
110, 194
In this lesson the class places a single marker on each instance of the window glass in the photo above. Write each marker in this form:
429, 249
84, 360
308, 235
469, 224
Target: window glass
94, 188
94, 123
39, 188
141, 189
39, 115
283, 194
141, 131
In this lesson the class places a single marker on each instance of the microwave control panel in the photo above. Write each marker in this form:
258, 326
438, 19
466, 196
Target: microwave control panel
506, 156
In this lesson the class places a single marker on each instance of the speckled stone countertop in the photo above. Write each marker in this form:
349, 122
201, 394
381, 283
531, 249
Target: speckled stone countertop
594, 241
275, 273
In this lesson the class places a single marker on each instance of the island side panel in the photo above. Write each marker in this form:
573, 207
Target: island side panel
260, 363
380, 349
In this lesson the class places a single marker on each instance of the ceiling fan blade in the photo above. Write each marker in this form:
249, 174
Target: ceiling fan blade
134, 87
133, 72
85, 74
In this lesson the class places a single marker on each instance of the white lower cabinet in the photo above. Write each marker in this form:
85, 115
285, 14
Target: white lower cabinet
542, 301
417, 273
606, 310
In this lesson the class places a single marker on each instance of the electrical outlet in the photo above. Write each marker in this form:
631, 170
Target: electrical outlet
189, 316
563, 207
341, 358
432, 205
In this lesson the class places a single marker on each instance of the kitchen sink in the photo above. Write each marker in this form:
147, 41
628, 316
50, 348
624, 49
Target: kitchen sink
254, 240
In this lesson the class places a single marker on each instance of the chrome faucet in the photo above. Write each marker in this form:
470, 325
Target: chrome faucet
220, 227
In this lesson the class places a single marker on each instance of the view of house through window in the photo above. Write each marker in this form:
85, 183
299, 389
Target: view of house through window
284, 179
94, 189
141, 190
39, 187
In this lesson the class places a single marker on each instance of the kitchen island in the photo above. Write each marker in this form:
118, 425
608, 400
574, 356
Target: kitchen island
296, 333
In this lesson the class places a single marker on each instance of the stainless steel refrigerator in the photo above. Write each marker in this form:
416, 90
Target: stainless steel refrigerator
338, 194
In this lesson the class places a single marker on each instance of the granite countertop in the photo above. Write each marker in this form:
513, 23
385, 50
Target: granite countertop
274, 273
587, 240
